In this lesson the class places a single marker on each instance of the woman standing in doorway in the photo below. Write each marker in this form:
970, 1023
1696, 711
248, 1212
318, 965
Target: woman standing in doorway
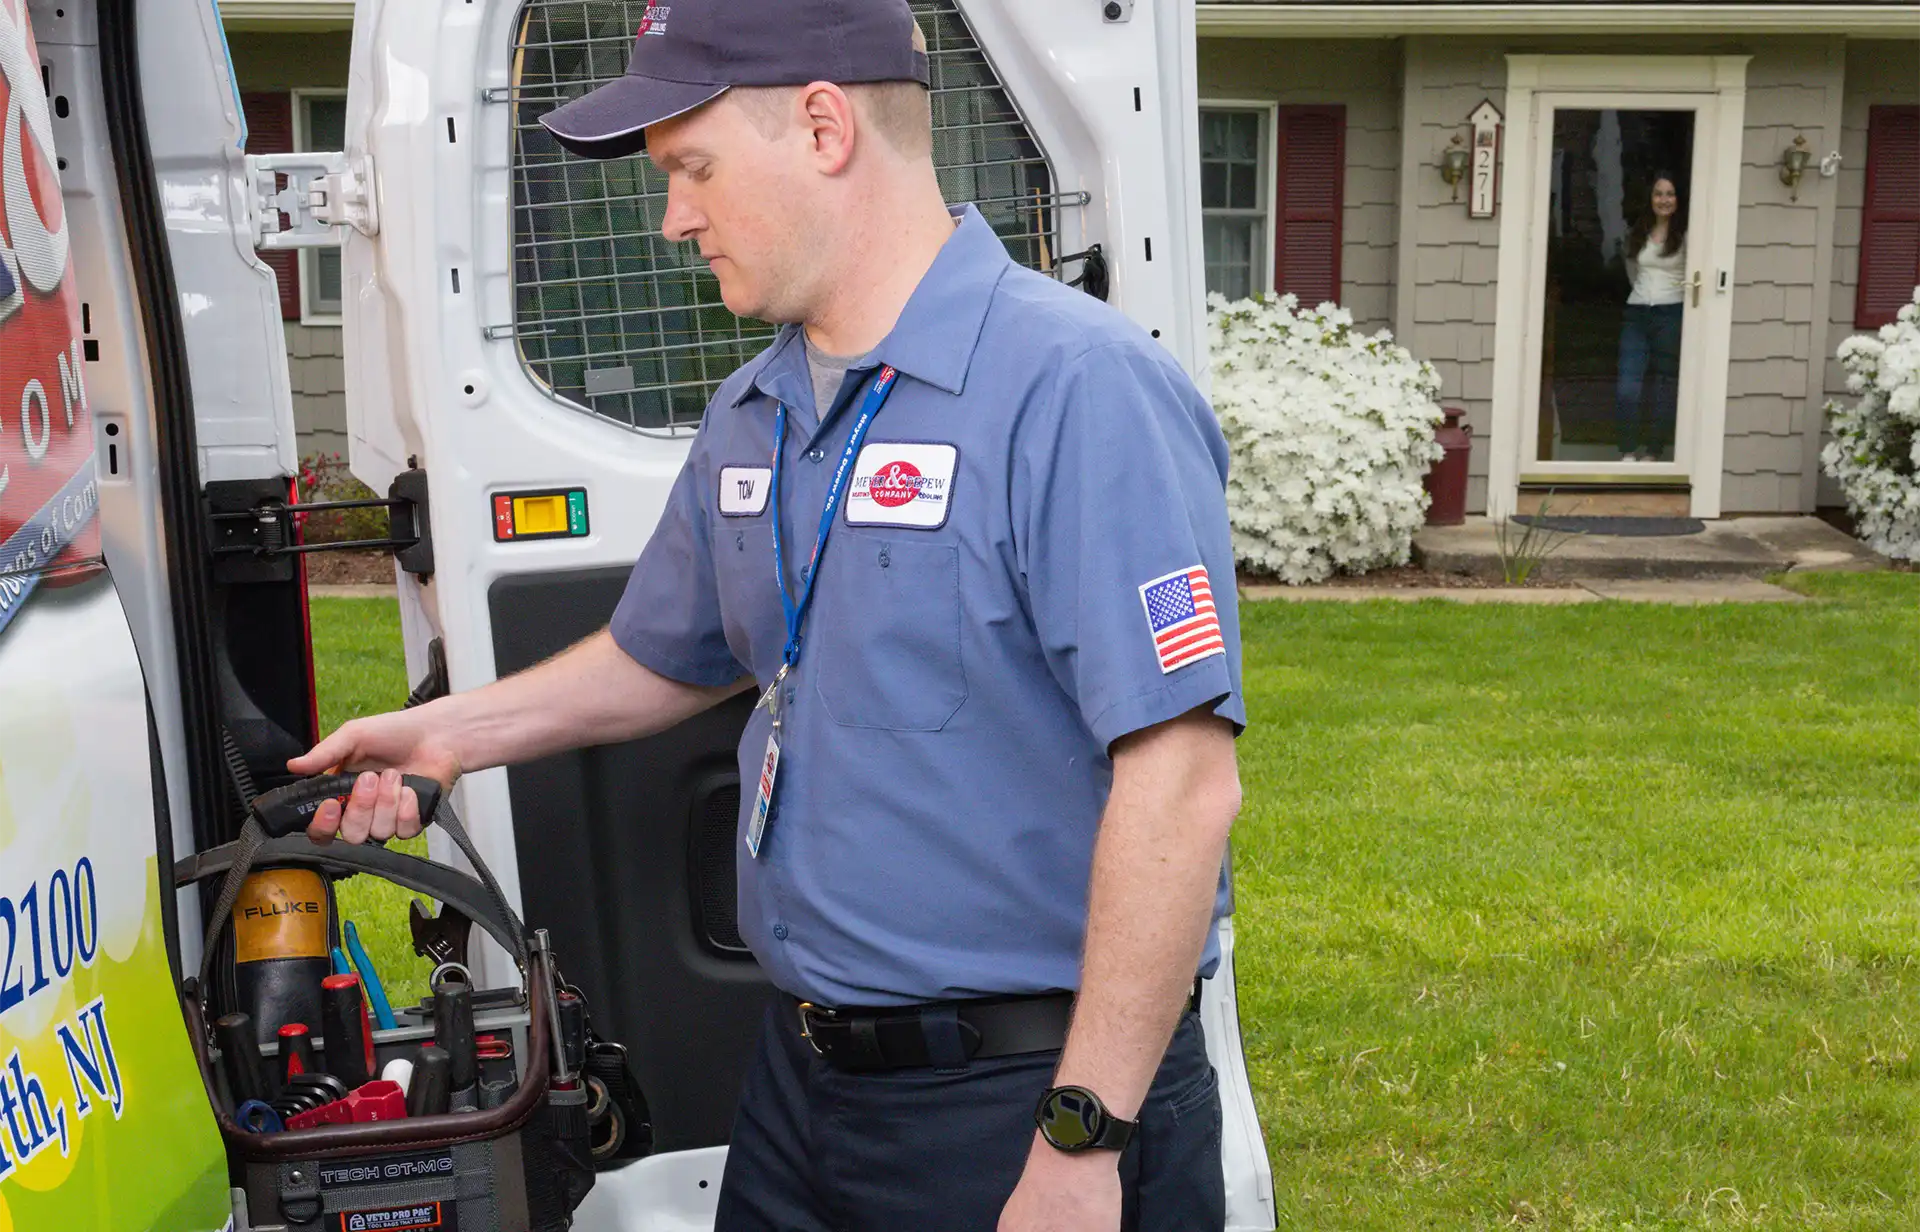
1649, 371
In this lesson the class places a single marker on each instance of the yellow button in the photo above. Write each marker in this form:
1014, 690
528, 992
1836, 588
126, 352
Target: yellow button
539, 515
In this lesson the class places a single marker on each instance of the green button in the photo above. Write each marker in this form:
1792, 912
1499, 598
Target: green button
577, 512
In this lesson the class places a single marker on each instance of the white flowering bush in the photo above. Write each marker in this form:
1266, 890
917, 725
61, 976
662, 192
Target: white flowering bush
1875, 451
1331, 431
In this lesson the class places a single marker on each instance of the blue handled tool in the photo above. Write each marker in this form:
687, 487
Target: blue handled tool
257, 1117
370, 979
340, 964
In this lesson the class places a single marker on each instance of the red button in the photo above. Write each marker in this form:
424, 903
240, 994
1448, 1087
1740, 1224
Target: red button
502, 517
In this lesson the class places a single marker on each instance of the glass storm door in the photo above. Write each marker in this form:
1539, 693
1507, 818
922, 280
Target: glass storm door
1619, 267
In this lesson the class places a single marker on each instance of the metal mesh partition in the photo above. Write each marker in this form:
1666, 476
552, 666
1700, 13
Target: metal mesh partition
611, 318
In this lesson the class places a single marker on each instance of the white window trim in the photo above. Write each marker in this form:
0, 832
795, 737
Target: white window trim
1269, 110
310, 257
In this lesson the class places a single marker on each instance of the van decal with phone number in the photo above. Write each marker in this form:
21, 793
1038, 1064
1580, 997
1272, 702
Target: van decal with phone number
52, 929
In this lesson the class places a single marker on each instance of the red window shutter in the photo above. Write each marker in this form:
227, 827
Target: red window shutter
1890, 217
270, 131
1311, 162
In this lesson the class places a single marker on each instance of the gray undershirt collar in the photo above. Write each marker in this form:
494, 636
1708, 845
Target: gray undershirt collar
828, 372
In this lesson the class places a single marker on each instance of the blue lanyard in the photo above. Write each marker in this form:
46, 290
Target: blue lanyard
796, 609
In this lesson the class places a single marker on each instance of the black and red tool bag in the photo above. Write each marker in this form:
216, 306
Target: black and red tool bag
522, 1163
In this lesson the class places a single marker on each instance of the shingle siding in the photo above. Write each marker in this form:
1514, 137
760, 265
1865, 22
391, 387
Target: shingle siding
1452, 259
1792, 86
318, 375
1878, 71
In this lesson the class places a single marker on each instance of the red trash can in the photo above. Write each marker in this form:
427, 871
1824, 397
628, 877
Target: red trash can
1446, 480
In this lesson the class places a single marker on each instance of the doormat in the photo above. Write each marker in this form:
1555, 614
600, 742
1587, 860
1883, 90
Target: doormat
1628, 528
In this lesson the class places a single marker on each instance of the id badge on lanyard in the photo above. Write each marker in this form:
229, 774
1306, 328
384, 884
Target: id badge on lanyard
796, 609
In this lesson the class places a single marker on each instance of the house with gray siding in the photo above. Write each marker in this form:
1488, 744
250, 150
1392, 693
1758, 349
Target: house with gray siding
290, 64
1341, 161
1487, 181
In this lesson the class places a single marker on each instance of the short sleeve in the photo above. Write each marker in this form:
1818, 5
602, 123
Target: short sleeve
1119, 504
669, 617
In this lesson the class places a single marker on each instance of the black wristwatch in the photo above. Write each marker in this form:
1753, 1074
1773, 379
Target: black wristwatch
1074, 1119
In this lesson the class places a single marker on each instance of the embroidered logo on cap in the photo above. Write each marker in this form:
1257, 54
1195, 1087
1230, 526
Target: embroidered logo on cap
902, 483
655, 21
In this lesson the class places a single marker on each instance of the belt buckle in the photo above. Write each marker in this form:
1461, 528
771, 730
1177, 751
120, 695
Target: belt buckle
806, 1031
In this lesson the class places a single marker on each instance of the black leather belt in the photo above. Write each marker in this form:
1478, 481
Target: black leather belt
897, 1038
907, 1036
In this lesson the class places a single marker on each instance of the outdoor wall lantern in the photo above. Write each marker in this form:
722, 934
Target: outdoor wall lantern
1793, 165
1453, 164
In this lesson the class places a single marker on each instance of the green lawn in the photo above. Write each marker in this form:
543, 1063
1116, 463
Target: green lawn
1597, 917
358, 670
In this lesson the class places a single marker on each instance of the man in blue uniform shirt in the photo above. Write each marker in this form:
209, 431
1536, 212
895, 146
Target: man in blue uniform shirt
963, 529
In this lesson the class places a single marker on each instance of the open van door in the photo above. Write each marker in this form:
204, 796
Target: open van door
522, 345
103, 1117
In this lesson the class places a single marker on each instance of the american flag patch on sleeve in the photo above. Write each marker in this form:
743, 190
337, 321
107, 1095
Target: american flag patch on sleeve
1180, 613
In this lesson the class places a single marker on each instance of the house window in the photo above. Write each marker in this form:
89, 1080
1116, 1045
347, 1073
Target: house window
1271, 189
1233, 199
1890, 216
320, 123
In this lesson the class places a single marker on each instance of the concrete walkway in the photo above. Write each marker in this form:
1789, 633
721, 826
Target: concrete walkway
368, 590
1588, 590
1686, 591
1730, 548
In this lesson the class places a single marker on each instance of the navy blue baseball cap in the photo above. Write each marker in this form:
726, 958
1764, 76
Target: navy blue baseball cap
693, 51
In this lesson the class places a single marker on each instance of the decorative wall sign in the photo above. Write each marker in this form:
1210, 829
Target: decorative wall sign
1483, 176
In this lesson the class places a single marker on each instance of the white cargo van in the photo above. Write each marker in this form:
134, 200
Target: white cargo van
526, 362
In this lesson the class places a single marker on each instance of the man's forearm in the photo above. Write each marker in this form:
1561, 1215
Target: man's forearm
591, 693
1156, 869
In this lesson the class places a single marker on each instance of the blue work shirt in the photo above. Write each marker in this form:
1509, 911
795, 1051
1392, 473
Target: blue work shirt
1017, 578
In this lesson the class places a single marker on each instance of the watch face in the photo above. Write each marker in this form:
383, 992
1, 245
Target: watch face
1071, 1118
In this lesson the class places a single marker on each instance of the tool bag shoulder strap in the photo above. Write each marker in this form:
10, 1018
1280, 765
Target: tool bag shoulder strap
276, 821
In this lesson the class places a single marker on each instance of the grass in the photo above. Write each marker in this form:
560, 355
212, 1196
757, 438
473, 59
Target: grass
359, 671
1592, 917
1596, 917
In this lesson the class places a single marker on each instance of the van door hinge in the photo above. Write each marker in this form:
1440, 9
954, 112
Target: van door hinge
324, 192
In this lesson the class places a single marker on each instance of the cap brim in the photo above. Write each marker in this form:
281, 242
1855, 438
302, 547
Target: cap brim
611, 122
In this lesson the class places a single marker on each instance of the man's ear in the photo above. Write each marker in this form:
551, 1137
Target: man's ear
831, 124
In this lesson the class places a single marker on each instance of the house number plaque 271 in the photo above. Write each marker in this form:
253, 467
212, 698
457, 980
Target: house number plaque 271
1484, 171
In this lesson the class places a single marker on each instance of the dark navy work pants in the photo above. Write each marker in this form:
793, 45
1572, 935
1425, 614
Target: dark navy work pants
817, 1149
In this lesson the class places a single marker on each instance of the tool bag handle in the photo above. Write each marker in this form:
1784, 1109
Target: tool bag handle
279, 813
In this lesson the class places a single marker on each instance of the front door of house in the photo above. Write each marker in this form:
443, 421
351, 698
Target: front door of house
1625, 210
